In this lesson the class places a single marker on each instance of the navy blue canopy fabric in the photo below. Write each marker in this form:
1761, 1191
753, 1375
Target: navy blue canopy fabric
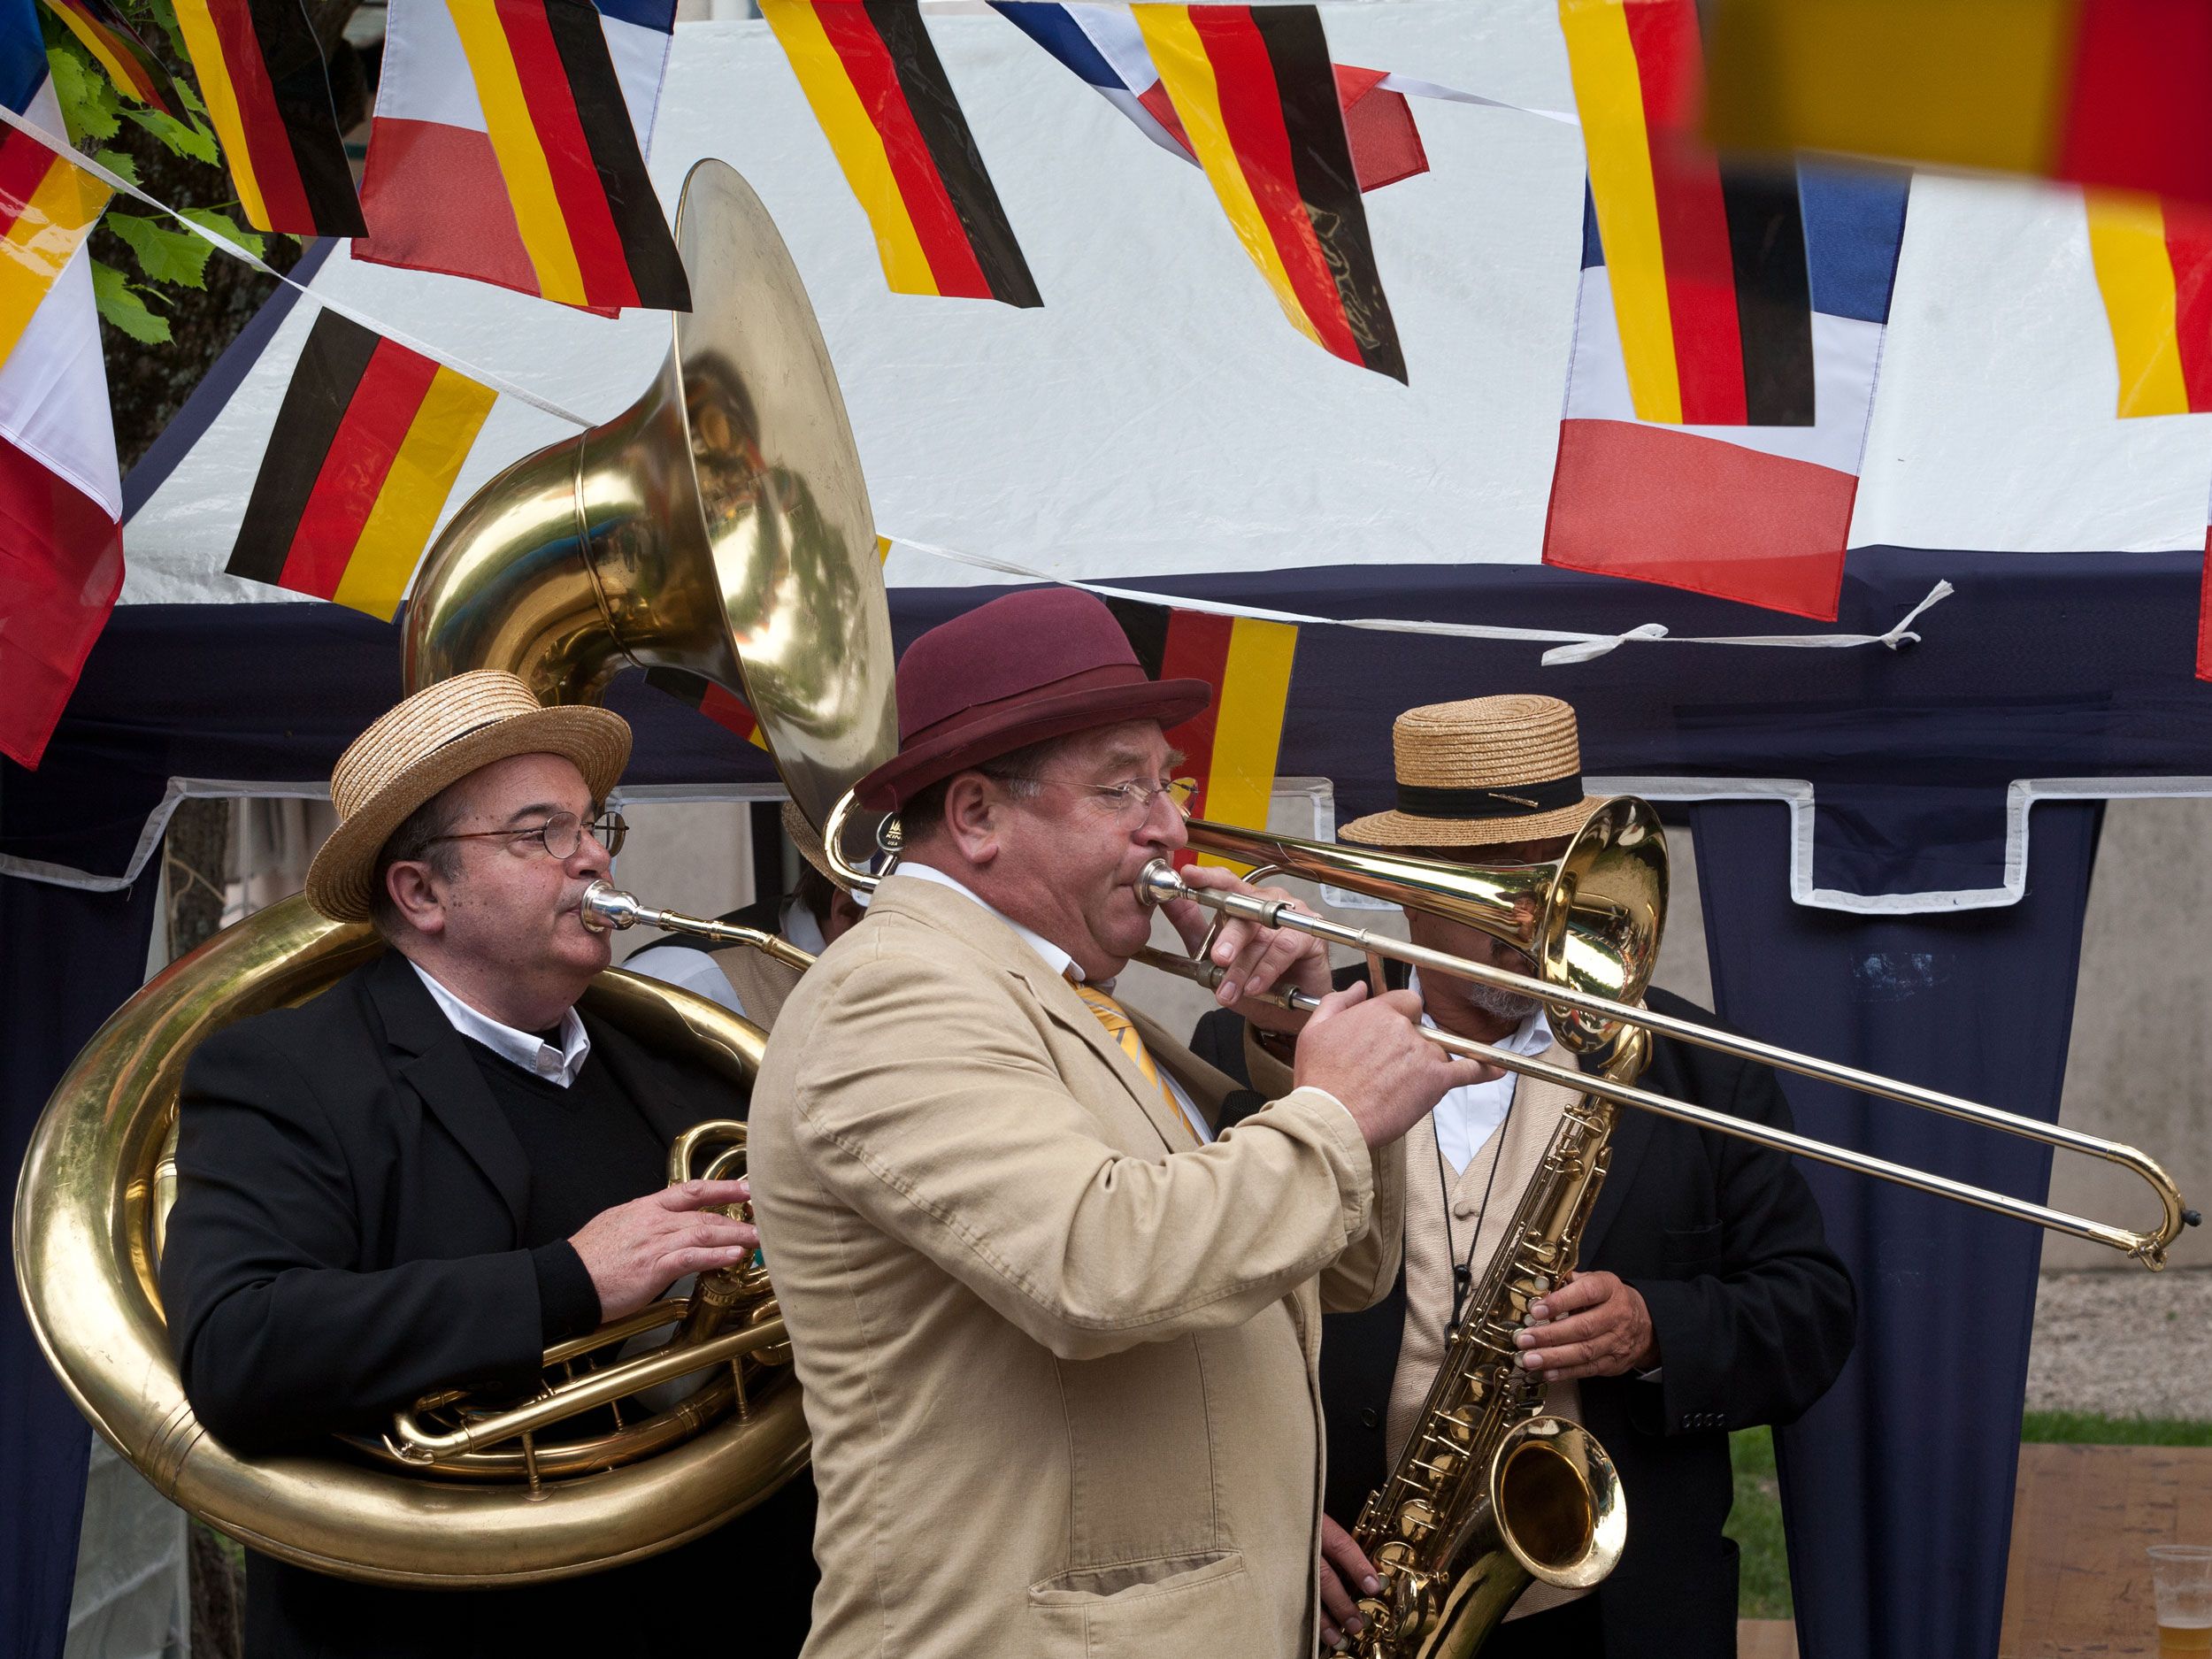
2042, 666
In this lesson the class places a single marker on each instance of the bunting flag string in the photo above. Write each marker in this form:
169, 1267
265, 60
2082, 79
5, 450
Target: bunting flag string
1257, 97
267, 92
130, 63
2154, 265
365, 451
319, 300
883, 100
508, 147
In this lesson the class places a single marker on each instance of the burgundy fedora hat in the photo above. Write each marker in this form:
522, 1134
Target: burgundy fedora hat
1034, 664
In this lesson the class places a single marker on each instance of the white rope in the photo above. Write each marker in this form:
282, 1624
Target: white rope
123, 187
1574, 647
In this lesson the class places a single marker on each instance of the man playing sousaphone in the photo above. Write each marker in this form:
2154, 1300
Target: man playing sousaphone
439, 1167
1056, 1335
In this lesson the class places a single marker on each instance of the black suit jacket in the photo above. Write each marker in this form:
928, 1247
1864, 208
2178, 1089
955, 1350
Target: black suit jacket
1755, 1316
346, 1237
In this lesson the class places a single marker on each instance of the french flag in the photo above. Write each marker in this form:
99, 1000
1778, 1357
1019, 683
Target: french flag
1102, 45
61, 492
1755, 509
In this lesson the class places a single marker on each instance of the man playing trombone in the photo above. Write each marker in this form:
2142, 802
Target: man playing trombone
1056, 1333
1708, 1299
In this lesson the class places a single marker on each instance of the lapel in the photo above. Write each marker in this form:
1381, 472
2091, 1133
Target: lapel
946, 911
432, 1059
641, 1076
1207, 1087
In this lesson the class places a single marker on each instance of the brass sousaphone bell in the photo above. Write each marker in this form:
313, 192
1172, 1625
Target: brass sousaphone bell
721, 508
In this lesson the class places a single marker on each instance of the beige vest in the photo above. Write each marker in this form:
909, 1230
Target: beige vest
1436, 1239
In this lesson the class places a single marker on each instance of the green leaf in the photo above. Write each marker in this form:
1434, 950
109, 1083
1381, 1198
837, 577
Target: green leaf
90, 106
164, 255
122, 304
165, 17
193, 141
229, 229
118, 164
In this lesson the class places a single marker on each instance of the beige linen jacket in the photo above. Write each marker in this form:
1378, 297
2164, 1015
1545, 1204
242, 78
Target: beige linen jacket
1059, 1360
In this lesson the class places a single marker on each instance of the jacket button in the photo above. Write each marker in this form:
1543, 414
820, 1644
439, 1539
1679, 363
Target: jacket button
1368, 1417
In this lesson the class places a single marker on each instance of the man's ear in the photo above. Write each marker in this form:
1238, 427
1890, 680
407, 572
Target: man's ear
416, 894
972, 810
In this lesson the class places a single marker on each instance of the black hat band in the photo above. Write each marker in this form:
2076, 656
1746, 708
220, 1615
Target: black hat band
1516, 800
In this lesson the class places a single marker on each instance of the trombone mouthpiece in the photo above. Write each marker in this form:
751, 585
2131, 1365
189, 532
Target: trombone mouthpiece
605, 907
1157, 883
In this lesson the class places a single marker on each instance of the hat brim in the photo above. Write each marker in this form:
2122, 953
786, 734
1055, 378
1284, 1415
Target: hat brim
596, 740
1403, 829
1170, 702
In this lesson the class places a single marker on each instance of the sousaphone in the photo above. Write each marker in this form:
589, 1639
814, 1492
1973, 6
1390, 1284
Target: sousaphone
723, 511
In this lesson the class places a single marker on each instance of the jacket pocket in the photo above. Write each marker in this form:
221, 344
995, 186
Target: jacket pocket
1691, 1248
1198, 1603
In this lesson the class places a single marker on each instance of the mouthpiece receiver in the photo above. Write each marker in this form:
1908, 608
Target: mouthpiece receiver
606, 908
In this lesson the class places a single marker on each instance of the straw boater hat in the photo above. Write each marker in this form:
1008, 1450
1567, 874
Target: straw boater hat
806, 840
1035, 665
1481, 772
437, 737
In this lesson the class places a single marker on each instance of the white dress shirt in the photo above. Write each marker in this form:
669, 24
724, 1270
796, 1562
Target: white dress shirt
691, 969
1468, 1115
1067, 968
528, 1049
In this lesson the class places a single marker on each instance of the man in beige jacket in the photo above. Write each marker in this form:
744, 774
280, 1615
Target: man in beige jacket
1058, 1340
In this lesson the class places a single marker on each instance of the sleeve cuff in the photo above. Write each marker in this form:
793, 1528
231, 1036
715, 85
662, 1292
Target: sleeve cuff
568, 1302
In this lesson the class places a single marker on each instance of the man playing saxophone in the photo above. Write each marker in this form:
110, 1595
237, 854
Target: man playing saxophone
438, 1168
1708, 1299
1056, 1333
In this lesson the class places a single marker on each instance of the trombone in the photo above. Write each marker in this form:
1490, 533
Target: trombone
1589, 920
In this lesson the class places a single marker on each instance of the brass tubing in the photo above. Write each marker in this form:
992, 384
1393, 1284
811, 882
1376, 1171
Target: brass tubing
418, 1444
605, 907
2147, 1247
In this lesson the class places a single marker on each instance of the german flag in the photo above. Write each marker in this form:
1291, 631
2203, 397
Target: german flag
696, 691
1257, 97
1230, 748
267, 92
568, 153
1706, 263
47, 209
877, 87
363, 456
137, 73
2154, 263
2111, 93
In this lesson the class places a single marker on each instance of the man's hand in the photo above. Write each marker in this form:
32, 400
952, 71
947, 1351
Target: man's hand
1368, 1053
636, 1250
1255, 959
1592, 1325
1346, 1576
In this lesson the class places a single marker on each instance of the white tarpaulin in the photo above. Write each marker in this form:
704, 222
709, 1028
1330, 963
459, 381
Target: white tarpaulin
1159, 415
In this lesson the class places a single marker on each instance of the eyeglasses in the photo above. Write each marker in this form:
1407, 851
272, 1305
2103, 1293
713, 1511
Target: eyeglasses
561, 834
1131, 800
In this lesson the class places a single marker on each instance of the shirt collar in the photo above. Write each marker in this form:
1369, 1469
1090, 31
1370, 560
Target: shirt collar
1055, 958
797, 925
1533, 1035
528, 1049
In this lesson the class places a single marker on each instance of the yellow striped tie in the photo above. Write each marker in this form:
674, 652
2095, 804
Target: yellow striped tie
1117, 1026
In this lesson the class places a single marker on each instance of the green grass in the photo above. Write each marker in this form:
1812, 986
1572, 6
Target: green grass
1755, 1524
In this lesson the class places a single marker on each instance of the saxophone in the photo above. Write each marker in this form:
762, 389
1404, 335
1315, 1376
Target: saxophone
1490, 1494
